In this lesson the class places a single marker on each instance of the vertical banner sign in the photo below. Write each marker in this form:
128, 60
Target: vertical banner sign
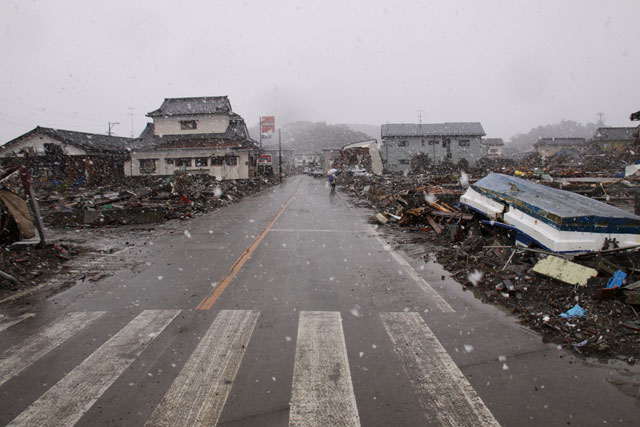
267, 126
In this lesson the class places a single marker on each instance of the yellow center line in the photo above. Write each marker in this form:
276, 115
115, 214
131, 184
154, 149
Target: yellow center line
208, 301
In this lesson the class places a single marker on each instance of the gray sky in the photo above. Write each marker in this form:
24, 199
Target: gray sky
511, 65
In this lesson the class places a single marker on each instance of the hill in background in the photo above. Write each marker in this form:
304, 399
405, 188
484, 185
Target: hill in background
318, 136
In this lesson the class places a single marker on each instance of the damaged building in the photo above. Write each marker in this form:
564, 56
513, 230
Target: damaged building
611, 138
492, 147
65, 155
438, 143
548, 147
200, 135
359, 156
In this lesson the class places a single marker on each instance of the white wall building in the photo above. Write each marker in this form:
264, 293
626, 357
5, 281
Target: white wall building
200, 135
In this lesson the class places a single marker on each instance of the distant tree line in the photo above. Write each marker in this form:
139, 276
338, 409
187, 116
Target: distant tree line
565, 129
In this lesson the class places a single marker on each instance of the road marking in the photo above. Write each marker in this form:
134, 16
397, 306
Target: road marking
312, 230
20, 294
445, 394
199, 392
208, 302
17, 358
6, 324
322, 392
67, 401
440, 302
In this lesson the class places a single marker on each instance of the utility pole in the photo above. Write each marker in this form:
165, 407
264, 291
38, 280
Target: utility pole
600, 119
131, 114
111, 125
279, 156
420, 116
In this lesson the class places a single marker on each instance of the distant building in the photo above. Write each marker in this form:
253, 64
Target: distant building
363, 156
611, 138
68, 155
492, 147
308, 159
200, 135
442, 142
329, 158
548, 147
288, 162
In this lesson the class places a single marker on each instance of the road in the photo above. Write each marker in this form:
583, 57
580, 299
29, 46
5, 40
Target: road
289, 308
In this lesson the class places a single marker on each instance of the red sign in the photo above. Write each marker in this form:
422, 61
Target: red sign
264, 159
267, 126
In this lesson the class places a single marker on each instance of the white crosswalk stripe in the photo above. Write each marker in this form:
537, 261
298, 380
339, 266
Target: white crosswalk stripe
445, 394
322, 392
198, 394
17, 358
71, 397
6, 323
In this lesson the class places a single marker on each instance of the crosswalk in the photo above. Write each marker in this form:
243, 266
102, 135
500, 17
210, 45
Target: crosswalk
322, 391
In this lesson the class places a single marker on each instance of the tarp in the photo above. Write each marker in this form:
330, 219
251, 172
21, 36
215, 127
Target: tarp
20, 212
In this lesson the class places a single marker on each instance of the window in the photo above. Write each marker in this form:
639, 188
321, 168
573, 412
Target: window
168, 161
188, 124
201, 162
433, 142
423, 142
463, 143
147, 165
184, 162
403, 161
402, 143
224, 160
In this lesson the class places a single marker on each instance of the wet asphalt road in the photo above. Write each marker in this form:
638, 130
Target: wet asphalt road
288, 308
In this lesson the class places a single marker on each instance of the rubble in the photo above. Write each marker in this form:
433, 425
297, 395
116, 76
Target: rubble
147, 200
485, 260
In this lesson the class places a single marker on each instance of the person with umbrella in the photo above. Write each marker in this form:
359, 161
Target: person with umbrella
332, 179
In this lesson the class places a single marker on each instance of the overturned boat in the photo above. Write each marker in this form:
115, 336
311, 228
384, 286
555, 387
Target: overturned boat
557, 220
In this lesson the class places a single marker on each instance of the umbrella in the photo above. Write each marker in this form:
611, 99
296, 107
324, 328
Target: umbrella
332, 171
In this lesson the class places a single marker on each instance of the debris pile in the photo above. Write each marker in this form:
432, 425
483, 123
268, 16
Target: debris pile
569, 299
145, 200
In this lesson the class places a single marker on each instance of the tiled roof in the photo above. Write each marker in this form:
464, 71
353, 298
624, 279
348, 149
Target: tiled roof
91, 142
433, 129
236, 132
614, 134
193, 106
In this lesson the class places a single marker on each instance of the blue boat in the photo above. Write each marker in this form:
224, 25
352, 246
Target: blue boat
557, 220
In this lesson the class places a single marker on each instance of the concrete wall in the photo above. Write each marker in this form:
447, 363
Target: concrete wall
34, 144
205, 124
397, 158
165, 163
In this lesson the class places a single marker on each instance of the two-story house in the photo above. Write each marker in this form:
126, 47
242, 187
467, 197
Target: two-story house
200, 135
442, 142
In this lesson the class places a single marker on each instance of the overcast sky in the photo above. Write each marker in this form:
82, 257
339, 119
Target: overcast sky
511, 65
